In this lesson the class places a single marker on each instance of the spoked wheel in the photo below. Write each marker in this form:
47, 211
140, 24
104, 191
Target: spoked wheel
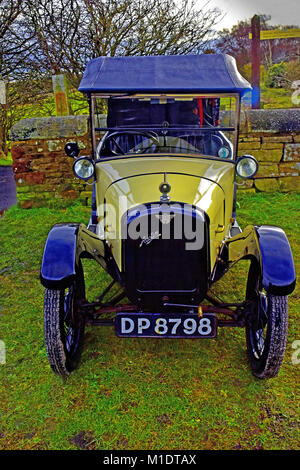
266, 328
64, 326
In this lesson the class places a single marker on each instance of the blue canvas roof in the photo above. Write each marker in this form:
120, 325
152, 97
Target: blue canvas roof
166, 74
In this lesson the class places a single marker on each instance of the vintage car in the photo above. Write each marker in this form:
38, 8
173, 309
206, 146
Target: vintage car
163, 217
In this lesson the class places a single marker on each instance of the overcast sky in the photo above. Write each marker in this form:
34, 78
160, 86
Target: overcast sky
282, 11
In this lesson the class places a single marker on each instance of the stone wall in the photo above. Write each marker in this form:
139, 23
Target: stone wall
43, 171
273, 138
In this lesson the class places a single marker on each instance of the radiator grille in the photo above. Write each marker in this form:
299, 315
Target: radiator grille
160, 265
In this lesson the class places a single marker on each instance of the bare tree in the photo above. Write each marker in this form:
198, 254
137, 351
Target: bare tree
9, 11
148, 27
39, 38
57, 27
15, 38
23, 84
68, 33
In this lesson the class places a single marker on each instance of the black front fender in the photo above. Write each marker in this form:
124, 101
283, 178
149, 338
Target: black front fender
270, 247
65, 245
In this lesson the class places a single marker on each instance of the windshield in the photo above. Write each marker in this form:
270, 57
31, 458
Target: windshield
190, 125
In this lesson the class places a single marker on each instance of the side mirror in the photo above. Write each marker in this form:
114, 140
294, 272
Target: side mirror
246, 166
72, 149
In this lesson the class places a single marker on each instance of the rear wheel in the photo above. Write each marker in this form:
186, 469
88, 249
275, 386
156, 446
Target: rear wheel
64, 326
266, 328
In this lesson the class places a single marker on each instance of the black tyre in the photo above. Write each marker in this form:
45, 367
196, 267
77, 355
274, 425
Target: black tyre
266, 328
64, 326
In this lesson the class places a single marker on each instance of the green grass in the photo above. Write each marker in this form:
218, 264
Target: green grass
138, 393
5, 162
273, 98
277, 98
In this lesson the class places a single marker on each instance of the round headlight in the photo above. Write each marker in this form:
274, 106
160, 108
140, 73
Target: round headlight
223, 152
246, 166
83, 168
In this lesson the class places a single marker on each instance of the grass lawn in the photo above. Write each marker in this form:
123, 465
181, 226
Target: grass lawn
277, 98
138, 393
5, 162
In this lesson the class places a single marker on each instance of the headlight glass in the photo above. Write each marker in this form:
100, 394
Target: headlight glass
83, 168
246, 166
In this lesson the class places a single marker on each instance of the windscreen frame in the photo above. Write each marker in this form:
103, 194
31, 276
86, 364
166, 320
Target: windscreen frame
184, 96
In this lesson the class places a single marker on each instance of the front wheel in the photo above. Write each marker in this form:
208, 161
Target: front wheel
266, 328
64, 326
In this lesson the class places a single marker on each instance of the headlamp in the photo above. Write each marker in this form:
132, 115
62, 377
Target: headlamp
83, 168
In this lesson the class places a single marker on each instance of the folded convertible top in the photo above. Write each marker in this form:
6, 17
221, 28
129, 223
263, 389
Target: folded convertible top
166, 74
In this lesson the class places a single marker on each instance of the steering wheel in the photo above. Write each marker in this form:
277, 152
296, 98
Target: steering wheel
167, 144
148, 134
217, 139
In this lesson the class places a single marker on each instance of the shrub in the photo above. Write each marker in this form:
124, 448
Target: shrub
276, 75
292, 72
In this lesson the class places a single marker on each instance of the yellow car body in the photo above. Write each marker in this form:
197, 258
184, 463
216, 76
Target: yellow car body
196, 180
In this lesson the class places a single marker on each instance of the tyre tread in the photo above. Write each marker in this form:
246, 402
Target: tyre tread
271, 362
54, 345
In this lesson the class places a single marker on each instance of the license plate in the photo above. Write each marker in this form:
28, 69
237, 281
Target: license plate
158, 325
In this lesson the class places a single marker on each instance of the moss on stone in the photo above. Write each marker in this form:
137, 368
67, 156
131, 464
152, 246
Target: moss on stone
268, 185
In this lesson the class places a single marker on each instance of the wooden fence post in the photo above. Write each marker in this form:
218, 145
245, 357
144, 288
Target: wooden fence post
60, 90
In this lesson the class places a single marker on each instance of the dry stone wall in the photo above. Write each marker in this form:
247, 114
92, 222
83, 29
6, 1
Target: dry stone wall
43, 171
273, 138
